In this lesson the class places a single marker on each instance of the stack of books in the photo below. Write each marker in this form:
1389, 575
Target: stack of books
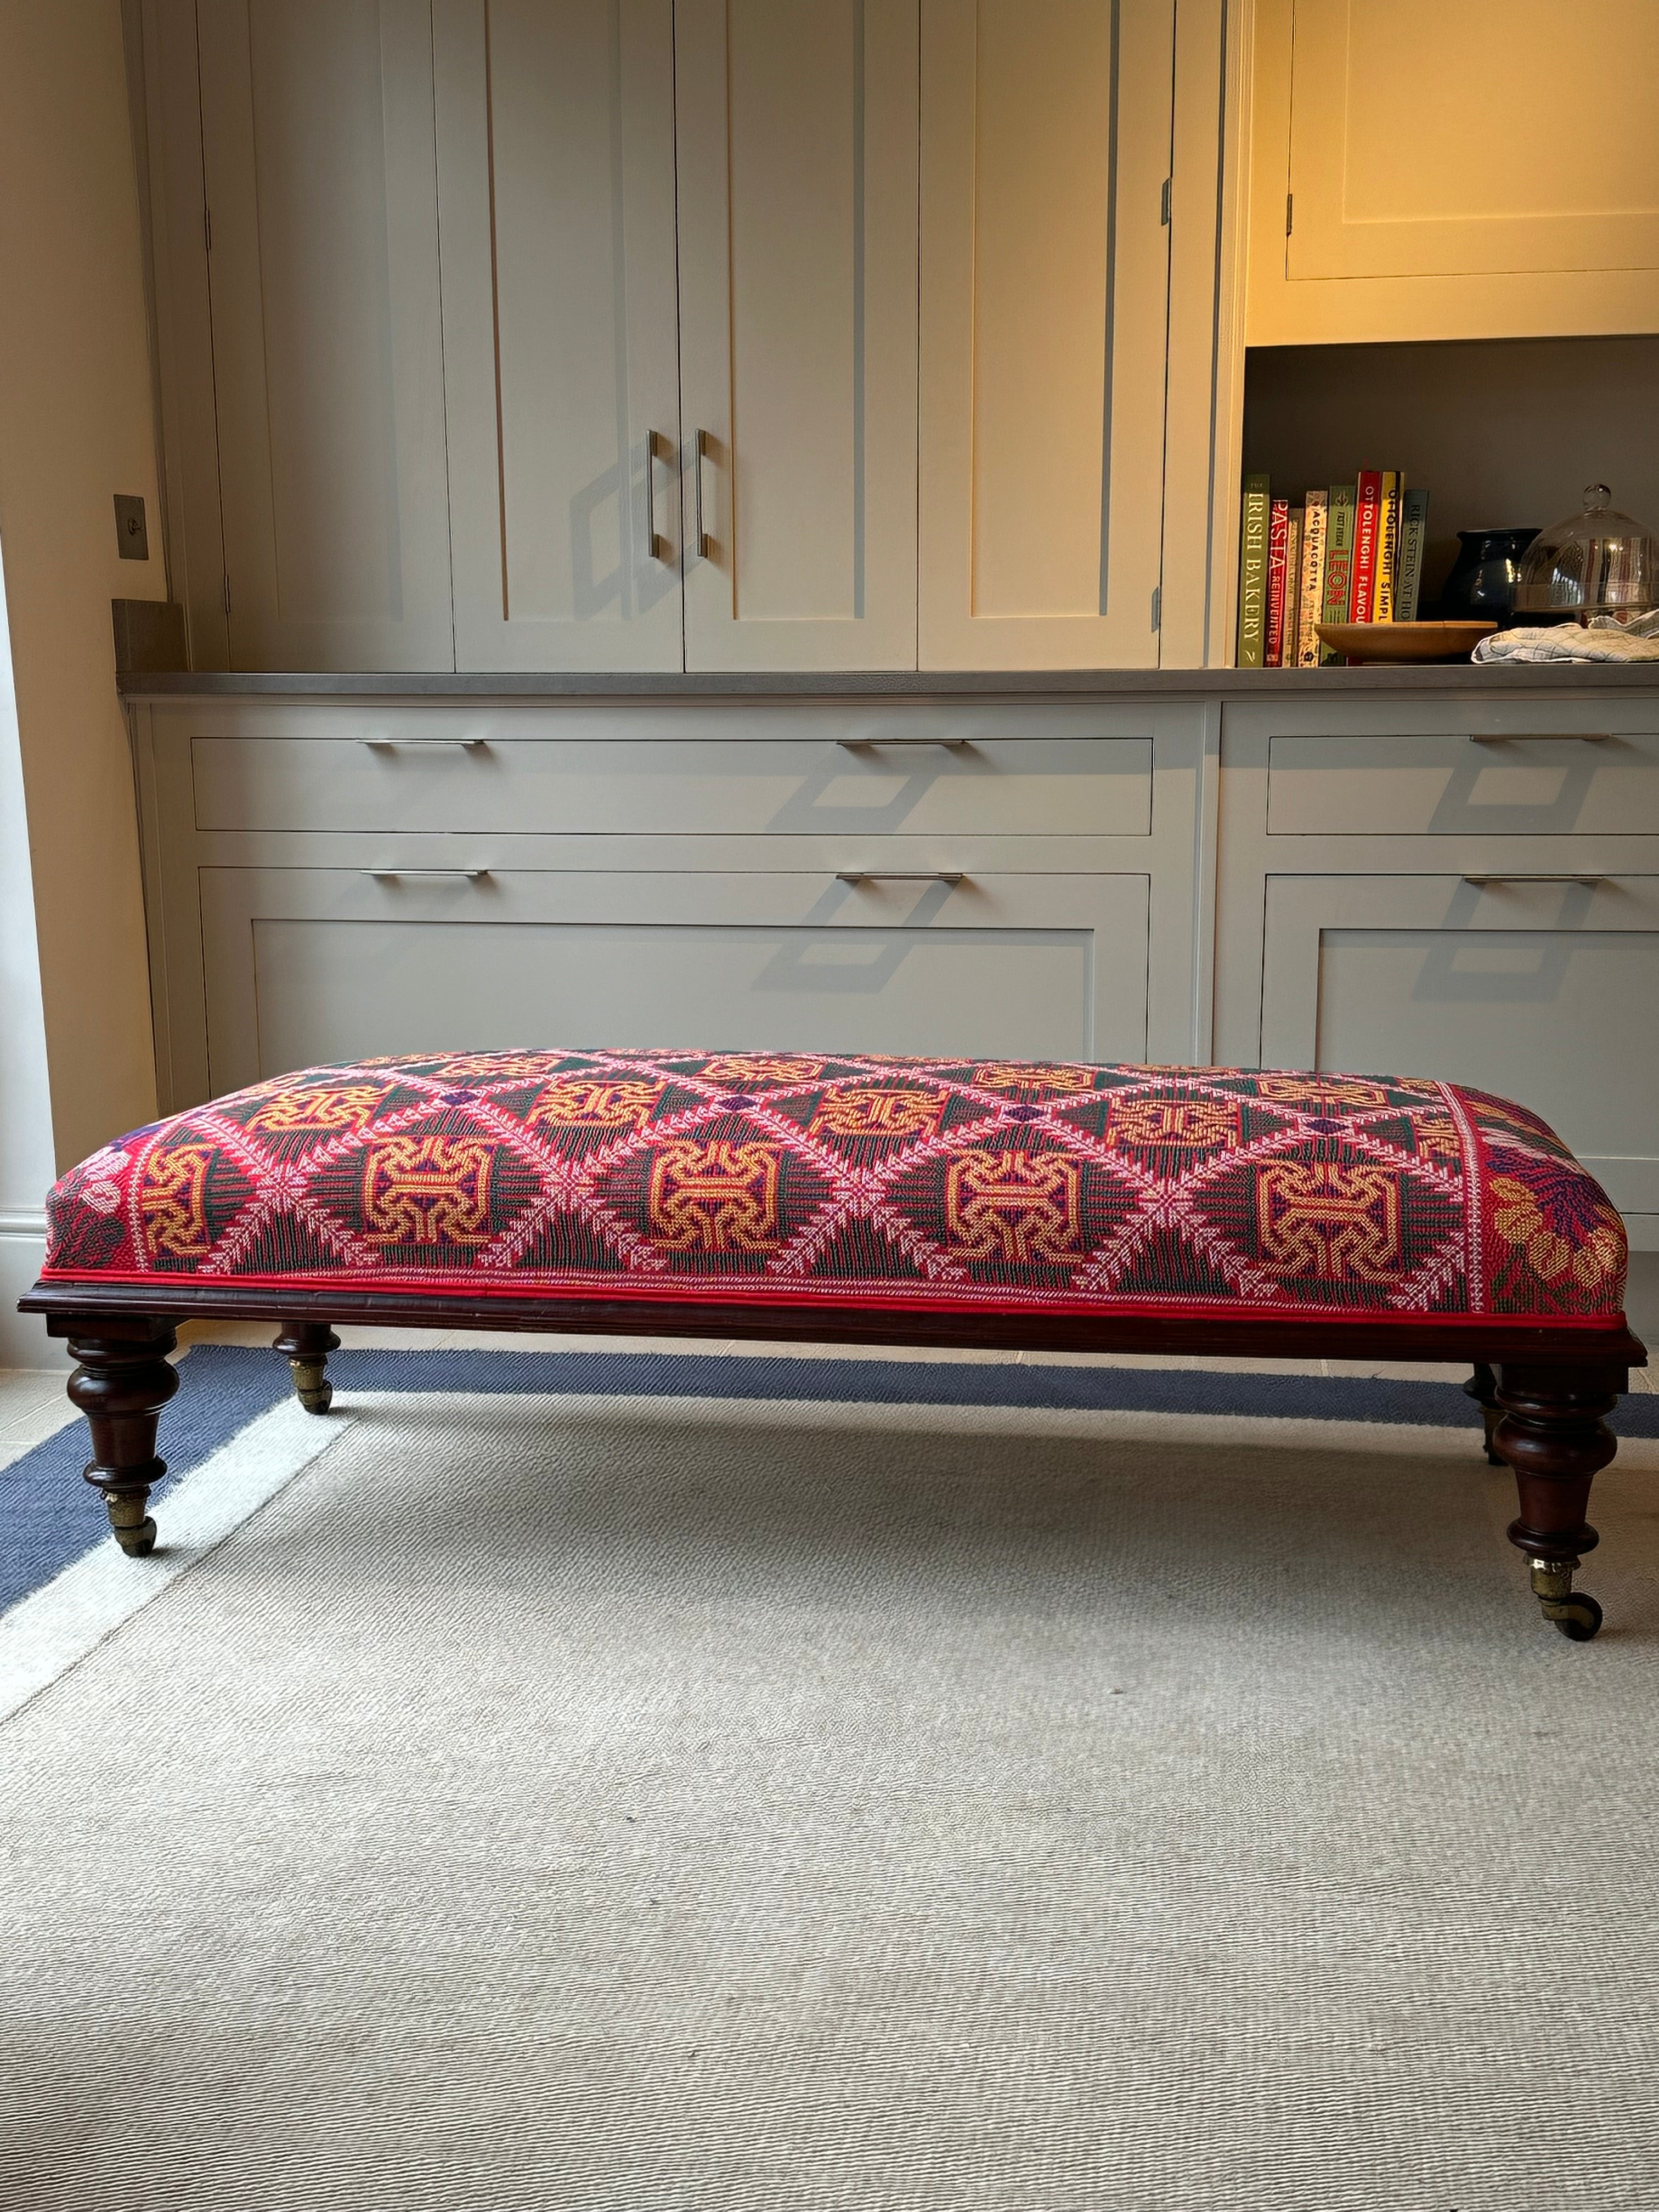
1351, 554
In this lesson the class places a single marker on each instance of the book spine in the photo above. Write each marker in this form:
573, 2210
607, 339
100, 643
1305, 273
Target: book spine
1387, 546
1413, 533
1312, 601
1278, 524
1367, 518
1292, 589
1339, 559
1252, 574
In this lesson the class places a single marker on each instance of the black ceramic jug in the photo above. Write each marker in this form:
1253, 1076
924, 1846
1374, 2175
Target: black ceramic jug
1480, 586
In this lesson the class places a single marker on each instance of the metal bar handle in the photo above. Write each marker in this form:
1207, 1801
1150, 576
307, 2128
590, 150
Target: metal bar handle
856, 745
899, 876
1534, 879
398, 875
1539, 737
699, 447
654, 546
466, 745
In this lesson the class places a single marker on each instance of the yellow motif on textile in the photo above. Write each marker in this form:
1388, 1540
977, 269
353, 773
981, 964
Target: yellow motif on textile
1319, 1090
348, 1108
426, 1190
878, 1113
571, 1101
1438, 1137
498, 1066
717, 1197
173, 1202
1338, 1224
762, 1067
1015, 1207
1022, 1075
1519, 1220
1196, 1124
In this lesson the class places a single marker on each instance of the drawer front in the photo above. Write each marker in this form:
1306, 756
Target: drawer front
888, 777
1522, 783
318, 964
1540, 991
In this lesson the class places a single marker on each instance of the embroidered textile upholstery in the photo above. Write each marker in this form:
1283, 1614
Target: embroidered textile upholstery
792, 1178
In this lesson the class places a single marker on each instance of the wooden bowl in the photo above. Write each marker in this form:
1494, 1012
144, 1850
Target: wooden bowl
1413, 640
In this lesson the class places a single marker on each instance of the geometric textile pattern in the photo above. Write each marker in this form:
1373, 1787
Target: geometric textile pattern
793, 1177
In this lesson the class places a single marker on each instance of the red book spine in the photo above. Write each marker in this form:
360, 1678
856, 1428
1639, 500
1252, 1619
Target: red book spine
1278, 535
1367, 545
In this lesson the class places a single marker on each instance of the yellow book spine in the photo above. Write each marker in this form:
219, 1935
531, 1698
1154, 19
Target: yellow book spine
1387, 545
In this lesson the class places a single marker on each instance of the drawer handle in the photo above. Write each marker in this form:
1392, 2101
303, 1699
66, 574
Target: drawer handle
390, 744
1484, 880
654, 542
398, 875
1539, 737
857, 744
899, 876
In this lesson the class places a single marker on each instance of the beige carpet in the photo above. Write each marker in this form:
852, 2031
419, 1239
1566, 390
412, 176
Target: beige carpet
661, 1807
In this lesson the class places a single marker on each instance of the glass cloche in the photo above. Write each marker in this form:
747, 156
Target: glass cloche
1598, 564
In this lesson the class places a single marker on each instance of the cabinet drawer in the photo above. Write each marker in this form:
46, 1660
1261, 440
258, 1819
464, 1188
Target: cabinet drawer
884, 778
318, 964
1524, 782
1542, 992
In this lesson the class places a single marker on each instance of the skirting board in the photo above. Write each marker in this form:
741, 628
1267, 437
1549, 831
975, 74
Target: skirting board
23, 1341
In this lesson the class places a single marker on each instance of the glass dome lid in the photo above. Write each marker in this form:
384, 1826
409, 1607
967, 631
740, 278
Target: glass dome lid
1599, 562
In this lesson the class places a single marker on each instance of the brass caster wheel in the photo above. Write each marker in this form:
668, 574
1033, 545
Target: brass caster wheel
1578, 1617
138, 1542
317, 1399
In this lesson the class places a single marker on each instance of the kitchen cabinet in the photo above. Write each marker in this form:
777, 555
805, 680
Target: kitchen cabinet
1414, 176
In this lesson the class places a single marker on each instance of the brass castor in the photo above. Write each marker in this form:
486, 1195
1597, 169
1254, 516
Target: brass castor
305, 1346
130, 1526
1575, 1613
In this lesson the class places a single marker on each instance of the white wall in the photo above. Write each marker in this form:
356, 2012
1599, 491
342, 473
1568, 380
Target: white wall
76, 426
26, 1156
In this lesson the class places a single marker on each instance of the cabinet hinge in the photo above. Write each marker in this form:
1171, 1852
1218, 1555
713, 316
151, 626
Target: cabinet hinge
1290, 203
207, 228
1163, 200
1157, 606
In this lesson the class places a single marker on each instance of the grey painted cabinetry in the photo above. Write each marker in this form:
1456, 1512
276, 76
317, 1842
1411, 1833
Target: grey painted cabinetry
1463, 884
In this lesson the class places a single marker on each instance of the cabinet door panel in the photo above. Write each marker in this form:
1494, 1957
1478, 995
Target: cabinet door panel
555, 140
1531, 152
319, 149
797, 127
1045, 143
310, 964
1532, 990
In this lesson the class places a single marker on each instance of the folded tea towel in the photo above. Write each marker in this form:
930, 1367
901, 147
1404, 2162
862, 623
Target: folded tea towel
1638, 640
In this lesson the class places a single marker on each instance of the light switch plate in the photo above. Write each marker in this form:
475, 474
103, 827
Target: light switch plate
131, 536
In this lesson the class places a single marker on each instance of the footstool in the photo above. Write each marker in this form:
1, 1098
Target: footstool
1006, 1204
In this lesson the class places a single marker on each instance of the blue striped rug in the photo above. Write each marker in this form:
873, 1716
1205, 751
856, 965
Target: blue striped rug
51, 1517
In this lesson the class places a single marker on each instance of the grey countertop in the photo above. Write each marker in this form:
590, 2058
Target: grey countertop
1090, 682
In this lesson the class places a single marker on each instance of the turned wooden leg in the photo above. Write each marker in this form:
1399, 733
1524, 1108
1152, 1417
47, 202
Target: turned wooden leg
306, 1346
1482, 1386
121, 1385
1552, 1433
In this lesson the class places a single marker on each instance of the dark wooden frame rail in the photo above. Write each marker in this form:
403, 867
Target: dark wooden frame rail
1542, 1391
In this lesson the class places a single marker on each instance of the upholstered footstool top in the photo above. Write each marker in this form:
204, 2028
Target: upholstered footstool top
801, 1178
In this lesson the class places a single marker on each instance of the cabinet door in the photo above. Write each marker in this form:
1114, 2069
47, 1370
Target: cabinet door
797, 157
555, 145
315, 965
1045, 146
1423, 145
1528, 985
317, 125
